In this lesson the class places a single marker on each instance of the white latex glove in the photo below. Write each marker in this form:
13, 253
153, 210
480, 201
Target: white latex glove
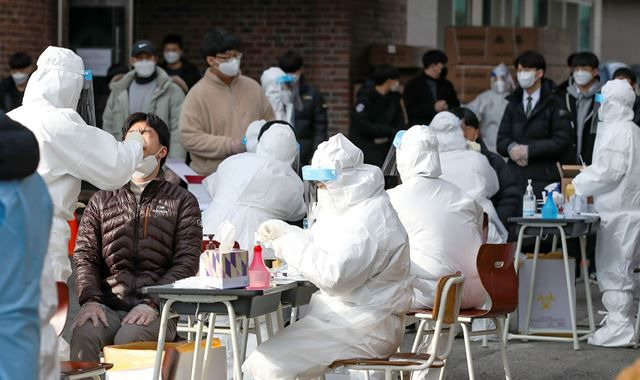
271, 230
141, 315
135, 136
522, 162
90, 311
518, 152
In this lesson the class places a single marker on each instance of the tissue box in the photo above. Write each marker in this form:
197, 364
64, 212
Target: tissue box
228, 270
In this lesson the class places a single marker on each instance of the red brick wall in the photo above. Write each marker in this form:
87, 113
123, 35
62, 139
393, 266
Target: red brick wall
26, 25
319, 30
331, 35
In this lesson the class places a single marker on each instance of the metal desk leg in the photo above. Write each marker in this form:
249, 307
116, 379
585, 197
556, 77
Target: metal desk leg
572, 306
207, 349
587, 288
280, 318
245, 337
532, 283
237, 371
256, 328
554, 245
516, 266
269, 325
294, 314
162, 335
190, 326
195, 368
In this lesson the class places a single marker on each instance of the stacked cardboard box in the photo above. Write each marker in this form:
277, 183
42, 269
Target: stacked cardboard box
474, 51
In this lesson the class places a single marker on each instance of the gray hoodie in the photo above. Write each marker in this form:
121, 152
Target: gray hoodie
584, 108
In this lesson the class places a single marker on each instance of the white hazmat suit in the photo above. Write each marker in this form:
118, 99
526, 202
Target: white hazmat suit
468, 169
70, 151
280, 99
251, 188
444, 224
489, 106
357, 254
614, 180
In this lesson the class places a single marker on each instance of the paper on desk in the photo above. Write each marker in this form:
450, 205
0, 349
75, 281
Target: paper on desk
196, 283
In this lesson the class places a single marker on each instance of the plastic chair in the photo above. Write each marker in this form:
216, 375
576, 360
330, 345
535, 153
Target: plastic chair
447, 306
495, 263
73, 370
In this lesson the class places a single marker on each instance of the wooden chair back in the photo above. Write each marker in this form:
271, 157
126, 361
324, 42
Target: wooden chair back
496, 269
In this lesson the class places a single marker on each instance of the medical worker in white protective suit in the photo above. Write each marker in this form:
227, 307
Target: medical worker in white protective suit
70, 151
251, 188
357, 254
468, 169
443, 223
489, 106
275, 84
614, 181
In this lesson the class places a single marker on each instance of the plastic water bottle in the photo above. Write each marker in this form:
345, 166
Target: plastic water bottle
529, 202
259, 275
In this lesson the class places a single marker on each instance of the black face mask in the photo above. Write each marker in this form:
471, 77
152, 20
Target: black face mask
444, 72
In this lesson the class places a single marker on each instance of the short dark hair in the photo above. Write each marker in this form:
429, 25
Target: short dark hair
218, 41
585, 58
384, 72
469, 117
19, 60
531, 60
570, 59
626, 73
173, 39
291, 62
432, 57
155, 122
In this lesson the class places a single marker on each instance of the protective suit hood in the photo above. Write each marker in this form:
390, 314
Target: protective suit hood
279, 143
418, 154
356, 181
58, 79
448, 131
251, 136
618, 101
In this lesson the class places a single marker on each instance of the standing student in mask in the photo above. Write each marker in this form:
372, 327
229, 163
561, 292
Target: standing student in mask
579, 99
430, 92
535, 133
490, 105
146, 88
12, 87
146, 233
378, 115
176, 65
219, 107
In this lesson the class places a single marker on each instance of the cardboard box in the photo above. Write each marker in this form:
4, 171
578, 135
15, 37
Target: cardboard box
550, 308
134, 361
228, 270
401, 56
493, 45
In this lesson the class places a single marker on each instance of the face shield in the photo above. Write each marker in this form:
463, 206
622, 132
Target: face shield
315, 178
86, 104
389, 167
290, 91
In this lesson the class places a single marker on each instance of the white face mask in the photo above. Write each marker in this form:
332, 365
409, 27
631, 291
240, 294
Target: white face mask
144, 68
500, 86
526, 79
19, 78
146, 167
395, 86
582, 77
171, 57
230, 68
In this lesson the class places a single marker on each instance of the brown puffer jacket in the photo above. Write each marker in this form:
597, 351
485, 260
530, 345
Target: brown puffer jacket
123, 246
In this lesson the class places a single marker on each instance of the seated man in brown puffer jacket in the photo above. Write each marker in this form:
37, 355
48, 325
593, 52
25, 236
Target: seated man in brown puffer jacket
146, 233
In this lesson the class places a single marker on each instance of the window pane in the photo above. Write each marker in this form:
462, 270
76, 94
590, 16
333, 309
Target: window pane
584, 28
461, 12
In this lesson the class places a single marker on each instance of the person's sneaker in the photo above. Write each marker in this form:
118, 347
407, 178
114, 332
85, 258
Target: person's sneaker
593, 278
